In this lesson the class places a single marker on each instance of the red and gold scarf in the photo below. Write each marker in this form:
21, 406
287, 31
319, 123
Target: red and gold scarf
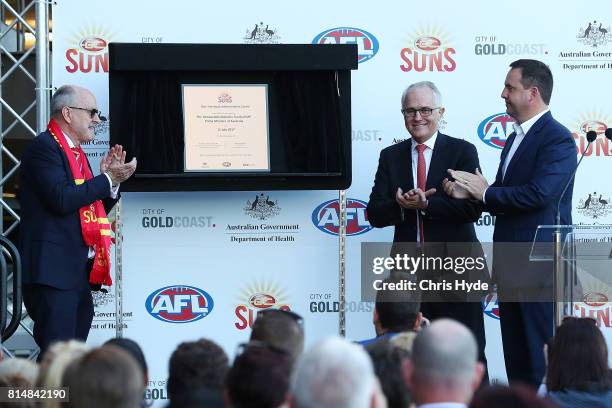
94, 222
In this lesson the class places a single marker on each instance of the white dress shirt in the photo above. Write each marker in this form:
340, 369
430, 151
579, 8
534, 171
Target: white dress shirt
428, 152
520, 130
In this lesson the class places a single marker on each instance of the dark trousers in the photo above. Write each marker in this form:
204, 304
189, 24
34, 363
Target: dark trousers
525, 328
58, 314
468, 313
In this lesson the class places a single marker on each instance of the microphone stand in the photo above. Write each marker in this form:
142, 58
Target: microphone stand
559, 279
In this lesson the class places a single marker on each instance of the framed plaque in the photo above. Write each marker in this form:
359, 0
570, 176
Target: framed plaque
226, 127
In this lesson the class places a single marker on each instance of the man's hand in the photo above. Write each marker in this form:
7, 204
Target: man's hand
474, 184
453, 190
413, 199
114, 154
119, 171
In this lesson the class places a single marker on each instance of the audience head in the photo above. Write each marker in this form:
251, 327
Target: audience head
56, 359
135, 351
194, 365
259, 377
105, 377
444, 366
19, 370
509, 397
388, 363
578, 358
335, 374
281, 329
404, 341
396, 310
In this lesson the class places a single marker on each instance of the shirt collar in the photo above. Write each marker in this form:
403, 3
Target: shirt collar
429, 143
526, 125
68, 140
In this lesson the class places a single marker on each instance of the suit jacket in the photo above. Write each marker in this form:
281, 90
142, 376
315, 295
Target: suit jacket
528, 196
446, 220
52, 249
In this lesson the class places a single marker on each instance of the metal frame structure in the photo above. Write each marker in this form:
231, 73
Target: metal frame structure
41, 84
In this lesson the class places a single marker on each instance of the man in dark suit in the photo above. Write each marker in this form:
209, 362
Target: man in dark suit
536, 163
408, 194
65, 234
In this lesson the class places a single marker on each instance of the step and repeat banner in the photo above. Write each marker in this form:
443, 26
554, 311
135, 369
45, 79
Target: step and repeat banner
202, 264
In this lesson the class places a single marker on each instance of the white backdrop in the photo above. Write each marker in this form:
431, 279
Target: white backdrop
204, 256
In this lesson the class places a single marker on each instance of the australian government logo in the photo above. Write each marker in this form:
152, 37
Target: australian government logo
595, 205
596, 121
491, 45
428, 50
595, 54
260, 34
89, 51
262, 208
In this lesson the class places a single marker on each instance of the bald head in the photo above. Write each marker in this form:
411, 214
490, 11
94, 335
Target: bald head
446, 352
67, 95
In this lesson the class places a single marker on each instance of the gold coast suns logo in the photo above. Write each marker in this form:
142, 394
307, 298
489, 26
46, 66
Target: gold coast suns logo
89, 51
428, 49
255, 298
595, 121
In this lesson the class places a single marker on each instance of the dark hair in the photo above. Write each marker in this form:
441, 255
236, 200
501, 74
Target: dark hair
104, 377
195, 365
535, 73
397, 309
280, 328
578, 357
135, 351
516, 396
259, 377
388, 361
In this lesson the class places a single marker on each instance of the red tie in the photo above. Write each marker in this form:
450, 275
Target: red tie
421, 178
79, 159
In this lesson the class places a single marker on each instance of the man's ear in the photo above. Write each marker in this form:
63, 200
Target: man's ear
66, 114
479, 371
418, 321
375, 317
408, 371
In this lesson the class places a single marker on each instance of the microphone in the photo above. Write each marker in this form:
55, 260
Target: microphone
590, 136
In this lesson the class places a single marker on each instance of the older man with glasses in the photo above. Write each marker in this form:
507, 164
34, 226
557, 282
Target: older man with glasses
408, 194
65, 233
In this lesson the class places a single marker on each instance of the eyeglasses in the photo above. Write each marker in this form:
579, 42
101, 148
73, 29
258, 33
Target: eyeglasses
92, 112
425, 112
296, 317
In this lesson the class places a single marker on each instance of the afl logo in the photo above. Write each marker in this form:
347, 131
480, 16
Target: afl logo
595, 299
490, 306
93, 44
326, 217
179, 304
428, 43
495, 129
597, 126
262, 301
367, 44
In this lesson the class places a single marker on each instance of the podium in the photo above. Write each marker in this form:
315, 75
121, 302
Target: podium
580, 256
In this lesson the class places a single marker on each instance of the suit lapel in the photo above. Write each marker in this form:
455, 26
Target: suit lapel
438, 162
406, 182
504, 154
527, 141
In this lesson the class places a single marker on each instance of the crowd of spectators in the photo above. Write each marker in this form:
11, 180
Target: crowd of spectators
408, 364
